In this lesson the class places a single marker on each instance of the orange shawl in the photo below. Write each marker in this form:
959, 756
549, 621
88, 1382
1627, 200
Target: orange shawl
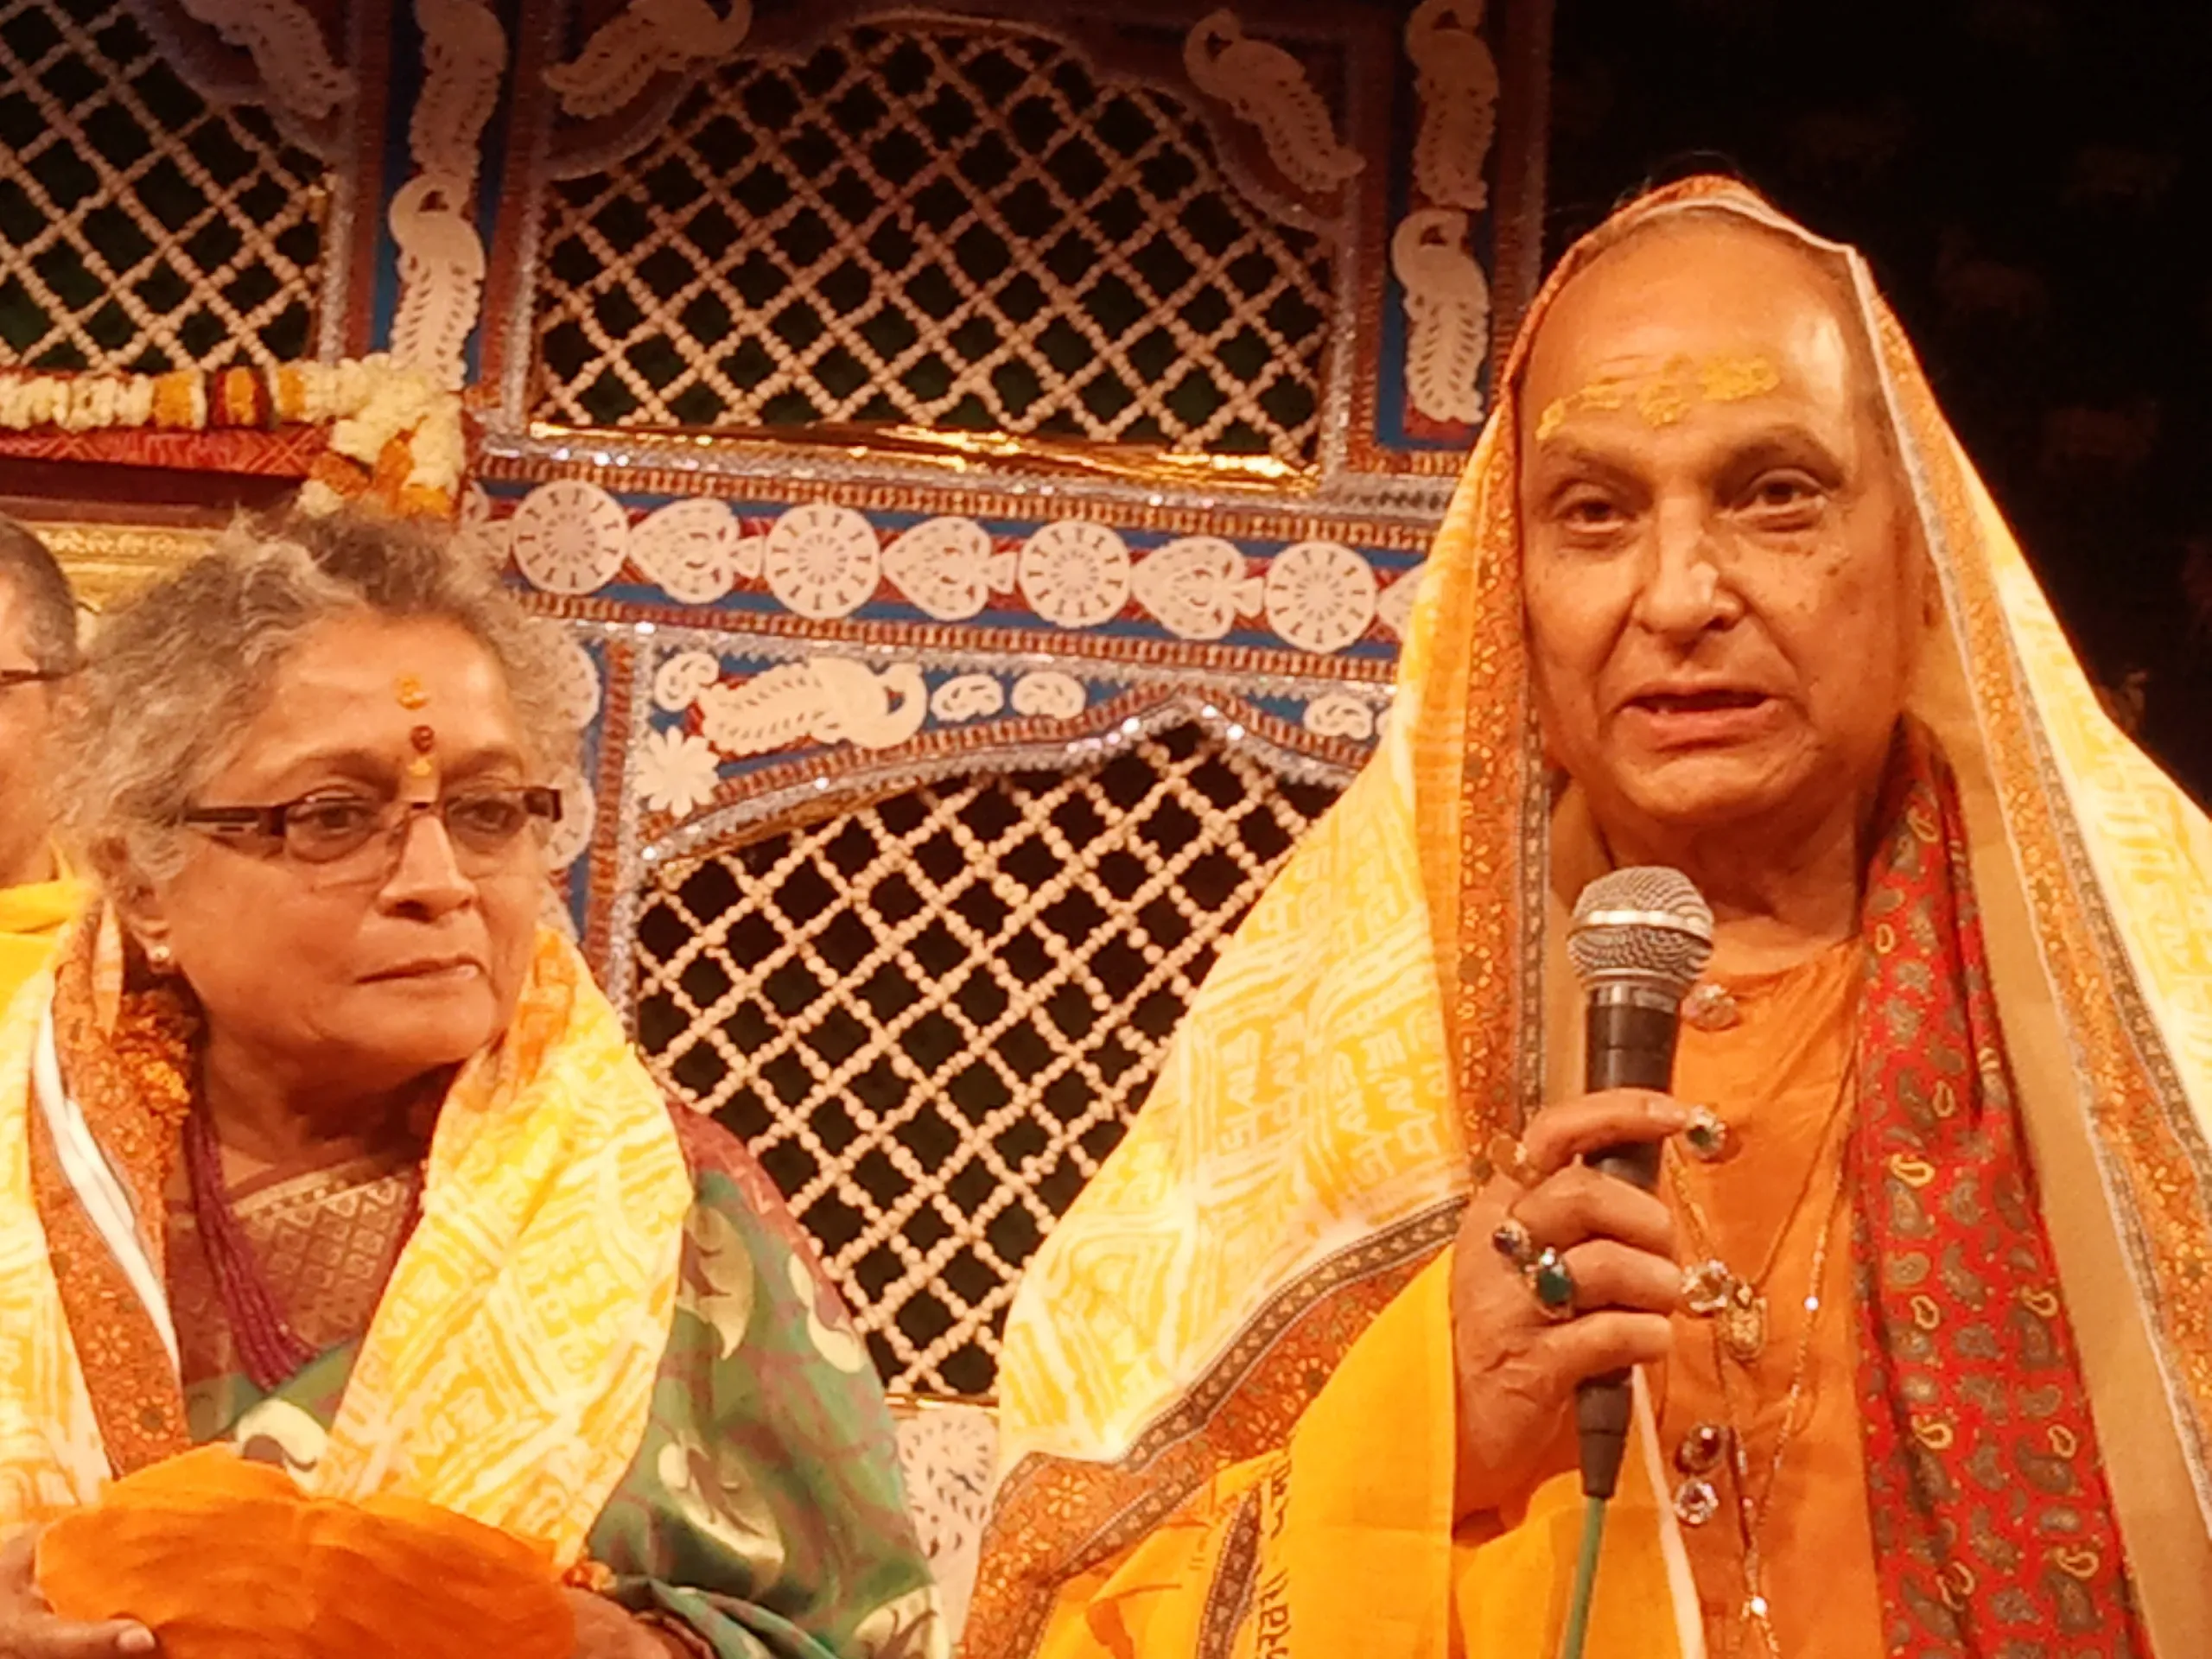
1387, 1006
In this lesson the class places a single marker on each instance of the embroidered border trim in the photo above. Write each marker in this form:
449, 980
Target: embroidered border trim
1055, 1516
1235, 1574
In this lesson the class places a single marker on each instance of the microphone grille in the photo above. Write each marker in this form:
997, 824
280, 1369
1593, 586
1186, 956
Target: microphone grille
1644, 923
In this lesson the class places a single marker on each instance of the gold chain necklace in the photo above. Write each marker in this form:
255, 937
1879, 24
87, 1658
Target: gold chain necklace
1751, 1512
1739, 1332
1737, 1305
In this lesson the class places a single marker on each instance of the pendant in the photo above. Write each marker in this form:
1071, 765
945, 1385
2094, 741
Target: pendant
1708, 1137
1706, 1287
1743, 1324
1758, 1615
1700, 1449
1695, 1502
1709, 1008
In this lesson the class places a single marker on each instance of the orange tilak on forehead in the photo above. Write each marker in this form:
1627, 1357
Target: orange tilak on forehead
1664, 397
407, 691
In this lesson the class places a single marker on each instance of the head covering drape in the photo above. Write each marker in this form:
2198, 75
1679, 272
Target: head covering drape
1384, 1011
507, 1374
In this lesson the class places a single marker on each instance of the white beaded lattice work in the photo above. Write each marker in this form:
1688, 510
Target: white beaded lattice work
142, 228
933, 1016
933, 225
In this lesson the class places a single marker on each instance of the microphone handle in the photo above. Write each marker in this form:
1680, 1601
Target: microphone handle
1628, 1043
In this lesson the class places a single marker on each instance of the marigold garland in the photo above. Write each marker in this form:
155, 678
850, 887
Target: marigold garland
395, 436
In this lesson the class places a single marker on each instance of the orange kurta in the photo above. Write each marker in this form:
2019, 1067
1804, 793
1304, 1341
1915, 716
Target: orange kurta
1777, 1076
1345, 1534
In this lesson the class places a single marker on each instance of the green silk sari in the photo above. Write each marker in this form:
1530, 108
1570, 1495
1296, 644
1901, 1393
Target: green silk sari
762, 1518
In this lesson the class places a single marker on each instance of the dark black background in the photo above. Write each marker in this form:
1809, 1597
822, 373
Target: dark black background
2032, 182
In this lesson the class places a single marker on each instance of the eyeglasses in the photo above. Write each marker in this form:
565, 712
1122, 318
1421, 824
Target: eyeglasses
483, 824
12, 677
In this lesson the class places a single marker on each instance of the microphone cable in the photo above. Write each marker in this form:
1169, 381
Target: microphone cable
1639, 939
1586, 1578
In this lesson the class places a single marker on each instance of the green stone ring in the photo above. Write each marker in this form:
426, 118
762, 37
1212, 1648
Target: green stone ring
1552, 1283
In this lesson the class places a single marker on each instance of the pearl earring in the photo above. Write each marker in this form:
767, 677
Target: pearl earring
159, 955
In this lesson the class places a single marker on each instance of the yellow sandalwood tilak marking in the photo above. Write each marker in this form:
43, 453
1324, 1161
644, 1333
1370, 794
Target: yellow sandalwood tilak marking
1663, 399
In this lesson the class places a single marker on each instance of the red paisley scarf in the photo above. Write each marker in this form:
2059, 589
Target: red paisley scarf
1992, 1523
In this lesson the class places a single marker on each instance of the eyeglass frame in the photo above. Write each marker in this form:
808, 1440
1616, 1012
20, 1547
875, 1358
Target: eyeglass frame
12, 677
540, 802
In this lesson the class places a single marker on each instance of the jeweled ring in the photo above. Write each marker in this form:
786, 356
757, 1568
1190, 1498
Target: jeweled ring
1551, 1281
1510, 1240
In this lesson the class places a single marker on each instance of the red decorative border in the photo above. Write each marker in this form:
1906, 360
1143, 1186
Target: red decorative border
284, 452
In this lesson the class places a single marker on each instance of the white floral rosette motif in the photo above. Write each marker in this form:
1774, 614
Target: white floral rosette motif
569, 536
947, 567
691, 551
1048, 694
678, 682
1075, 574
677, 772
1197, 587
823, 562
1320, 595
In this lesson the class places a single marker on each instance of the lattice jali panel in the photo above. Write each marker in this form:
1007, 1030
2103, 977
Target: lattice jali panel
929, 226
933, 1017
141, 228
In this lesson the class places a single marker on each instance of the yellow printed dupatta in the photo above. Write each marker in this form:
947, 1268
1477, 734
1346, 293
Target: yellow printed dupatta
31, 920
507, 1374
1305, 1151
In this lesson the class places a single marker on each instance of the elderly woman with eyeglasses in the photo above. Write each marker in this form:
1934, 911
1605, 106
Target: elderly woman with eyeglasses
315, 1142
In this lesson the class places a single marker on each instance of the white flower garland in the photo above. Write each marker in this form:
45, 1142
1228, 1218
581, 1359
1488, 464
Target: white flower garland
368, 403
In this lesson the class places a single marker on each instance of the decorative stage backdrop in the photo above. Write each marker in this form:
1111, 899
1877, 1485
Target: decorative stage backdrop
980, 454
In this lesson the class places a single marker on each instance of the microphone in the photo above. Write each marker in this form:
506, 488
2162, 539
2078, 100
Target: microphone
1639, 939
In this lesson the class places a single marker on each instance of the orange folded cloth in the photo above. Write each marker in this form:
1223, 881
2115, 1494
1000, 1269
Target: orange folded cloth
222, 1559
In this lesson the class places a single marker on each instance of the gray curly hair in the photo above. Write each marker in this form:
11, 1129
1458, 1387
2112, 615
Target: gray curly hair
177, 672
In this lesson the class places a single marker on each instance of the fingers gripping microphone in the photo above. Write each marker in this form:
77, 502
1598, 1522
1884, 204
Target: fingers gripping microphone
1639, 939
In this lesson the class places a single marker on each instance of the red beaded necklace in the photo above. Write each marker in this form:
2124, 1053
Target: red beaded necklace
268, 1349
